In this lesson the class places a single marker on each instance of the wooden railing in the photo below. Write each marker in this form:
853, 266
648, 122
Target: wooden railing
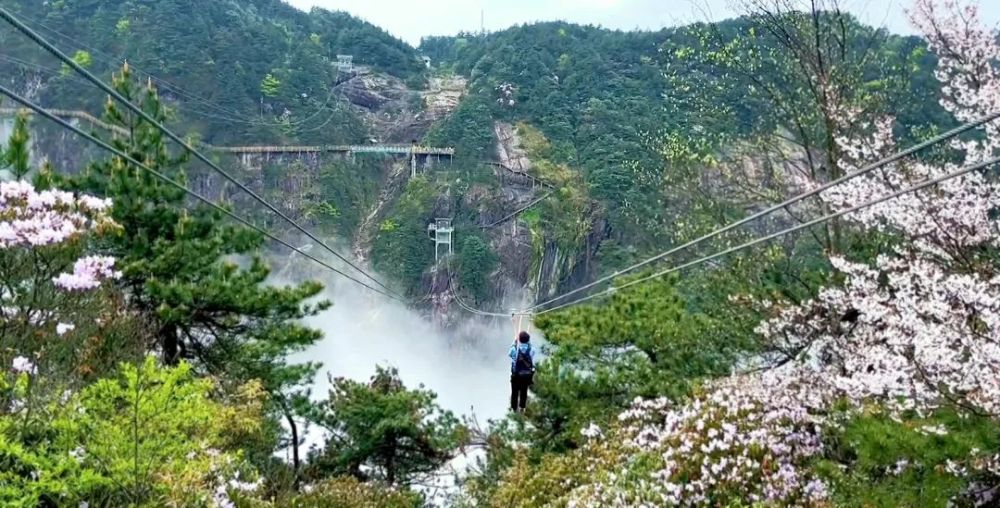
274, 149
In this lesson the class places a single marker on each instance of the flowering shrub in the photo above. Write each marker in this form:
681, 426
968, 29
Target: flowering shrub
29, 218
48, 283
740, 441
22, 365
88, 273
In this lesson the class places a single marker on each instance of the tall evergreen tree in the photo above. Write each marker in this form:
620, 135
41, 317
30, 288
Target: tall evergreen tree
16, 156
382, 430
176, 259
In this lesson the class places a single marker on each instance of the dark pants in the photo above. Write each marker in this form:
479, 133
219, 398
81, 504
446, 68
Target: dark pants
519, 391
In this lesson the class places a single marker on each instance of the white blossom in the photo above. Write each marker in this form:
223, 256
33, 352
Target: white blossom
919, 326
64, 328
22, 365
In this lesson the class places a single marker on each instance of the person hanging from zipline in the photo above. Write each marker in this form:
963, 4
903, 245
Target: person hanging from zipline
522, 371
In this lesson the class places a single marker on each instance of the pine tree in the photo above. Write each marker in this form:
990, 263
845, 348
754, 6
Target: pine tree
383, 430
175, 259
645, 341
16, 156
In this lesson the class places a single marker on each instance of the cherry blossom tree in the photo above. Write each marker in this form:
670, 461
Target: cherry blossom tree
922, 322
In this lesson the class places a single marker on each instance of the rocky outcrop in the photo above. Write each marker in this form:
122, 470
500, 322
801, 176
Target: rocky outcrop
396, 113
372, 91
510, 154
442, 96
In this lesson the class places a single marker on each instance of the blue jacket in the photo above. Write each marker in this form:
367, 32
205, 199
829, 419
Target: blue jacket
525, 348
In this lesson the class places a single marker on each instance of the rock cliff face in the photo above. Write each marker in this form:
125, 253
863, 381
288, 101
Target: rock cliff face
396, 113
392, 186
528, 264
510, 153
443, 96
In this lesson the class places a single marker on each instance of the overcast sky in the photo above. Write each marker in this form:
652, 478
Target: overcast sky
411, 19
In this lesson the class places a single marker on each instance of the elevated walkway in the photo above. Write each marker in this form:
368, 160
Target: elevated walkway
413, 151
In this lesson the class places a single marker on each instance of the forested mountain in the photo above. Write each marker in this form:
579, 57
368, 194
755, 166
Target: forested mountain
604, 111
611, 103
842, 350
595, 94
246, 71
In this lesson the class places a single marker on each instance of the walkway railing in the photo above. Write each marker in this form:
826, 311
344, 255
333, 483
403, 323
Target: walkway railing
272, 149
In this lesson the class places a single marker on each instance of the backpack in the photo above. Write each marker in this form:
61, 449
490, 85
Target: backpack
523, 366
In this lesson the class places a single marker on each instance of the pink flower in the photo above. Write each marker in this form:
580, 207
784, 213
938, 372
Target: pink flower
88, 273
44, 218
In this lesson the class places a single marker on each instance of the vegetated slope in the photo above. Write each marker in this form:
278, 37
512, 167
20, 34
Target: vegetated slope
265, 69
594, 93
594, 106
606, 100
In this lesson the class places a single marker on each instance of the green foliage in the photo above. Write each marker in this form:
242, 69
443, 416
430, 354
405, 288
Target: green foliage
566, 218
476, 262
469, 130
402, 249
148, 436
340, 492
123, 26
270, 85
644, 342
388, 226
350, 188
81, 58
16, 155
899, 462
350, 493
395, 433
527, 483
205, 48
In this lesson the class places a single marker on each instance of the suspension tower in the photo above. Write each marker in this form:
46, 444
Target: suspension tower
441, 231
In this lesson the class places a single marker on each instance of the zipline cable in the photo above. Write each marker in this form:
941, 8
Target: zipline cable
24, 64
799, 227
48, 46
102, 144
116, 60
790, 201
231, 115
468, 308
475, 311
